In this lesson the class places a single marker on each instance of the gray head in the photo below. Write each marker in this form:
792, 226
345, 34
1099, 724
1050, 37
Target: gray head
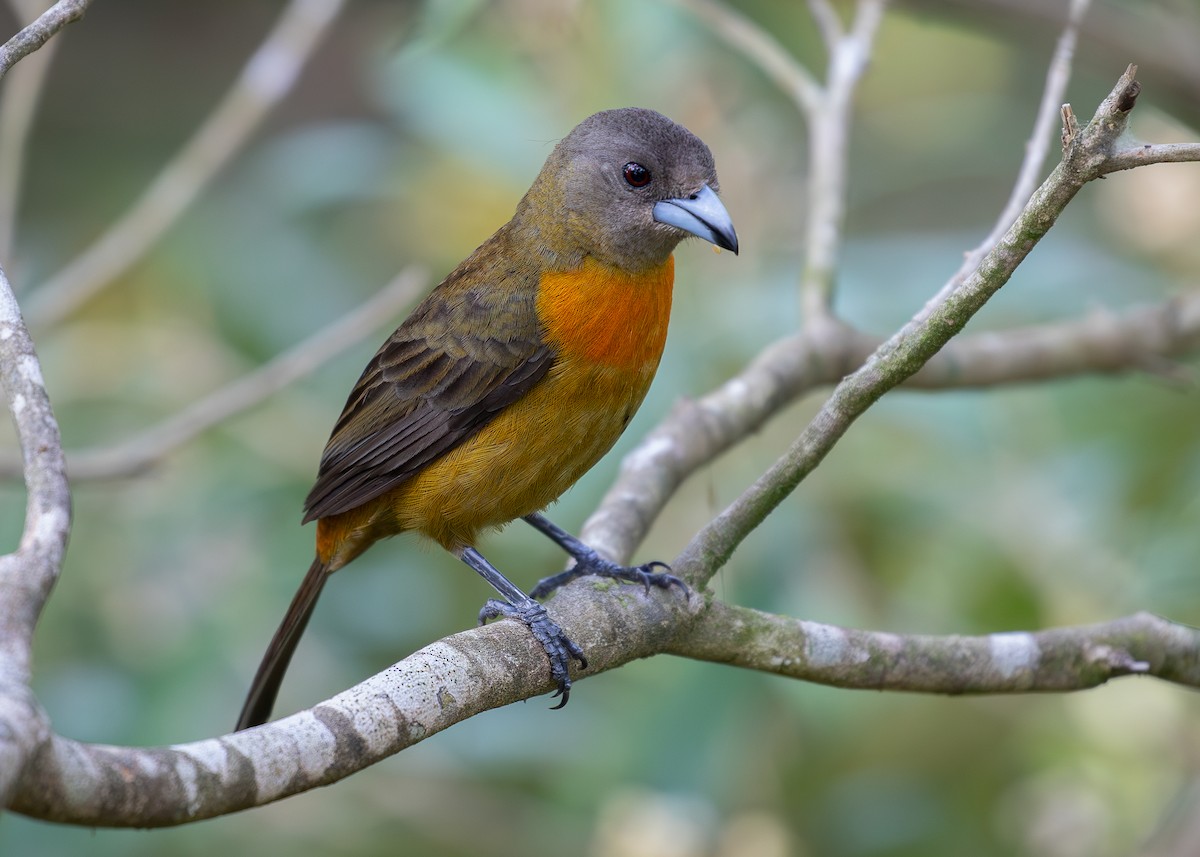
625, 186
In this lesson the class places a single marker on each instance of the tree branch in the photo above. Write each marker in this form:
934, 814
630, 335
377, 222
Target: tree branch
485, 668
743, 35
22, 92
1058, 75
148, 447
827, 114
1058, 659
39, 32
699, 430
829, 149
909, 349
1148, 153
827, 22
265, 79
28, 574
432, 689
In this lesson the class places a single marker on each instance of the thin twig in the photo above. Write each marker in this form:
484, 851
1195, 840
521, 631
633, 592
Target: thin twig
1152, 153
148, 447
1058, 75
829, 149
265, 79
826, 111
22, 92
743, 35
827, 21
39, 32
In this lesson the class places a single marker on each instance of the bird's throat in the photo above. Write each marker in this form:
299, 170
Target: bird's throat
607, 316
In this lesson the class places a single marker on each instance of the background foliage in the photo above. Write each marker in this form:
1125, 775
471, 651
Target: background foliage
409, 138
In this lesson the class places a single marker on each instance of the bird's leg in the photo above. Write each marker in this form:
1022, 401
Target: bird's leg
517, 605
587, 561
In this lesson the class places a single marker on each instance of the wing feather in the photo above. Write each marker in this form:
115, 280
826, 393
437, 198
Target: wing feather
413, 403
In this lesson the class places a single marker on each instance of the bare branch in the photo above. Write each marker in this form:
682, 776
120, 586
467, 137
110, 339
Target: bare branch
827, 114
1148, 153
432, 689
828, 139
1058, 659
700, 430
909, 349
477, 670
22, 91
28, 575
743, 35
148, 447
39, 32
265, 79
1058, 76
827, 21
1145, 339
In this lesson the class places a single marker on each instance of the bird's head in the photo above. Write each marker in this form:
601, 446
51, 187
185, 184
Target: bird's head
626, 186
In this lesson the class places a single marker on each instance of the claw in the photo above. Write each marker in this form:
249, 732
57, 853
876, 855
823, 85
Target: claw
646, 576
595, 564
560, 649
493, 609
587, 561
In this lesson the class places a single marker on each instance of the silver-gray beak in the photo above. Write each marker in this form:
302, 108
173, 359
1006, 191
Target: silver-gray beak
701, 214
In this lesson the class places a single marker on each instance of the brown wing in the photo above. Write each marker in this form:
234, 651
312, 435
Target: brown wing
424, 392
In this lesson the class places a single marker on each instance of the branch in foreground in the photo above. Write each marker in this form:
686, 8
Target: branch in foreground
1152, 153
474, 671
27, 575
432, 689
1057, 659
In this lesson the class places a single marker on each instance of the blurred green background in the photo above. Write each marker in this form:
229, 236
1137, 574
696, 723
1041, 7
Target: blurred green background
409, 138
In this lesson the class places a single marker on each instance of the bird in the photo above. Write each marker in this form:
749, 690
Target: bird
515, 375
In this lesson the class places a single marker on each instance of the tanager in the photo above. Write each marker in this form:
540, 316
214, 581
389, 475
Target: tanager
515, 375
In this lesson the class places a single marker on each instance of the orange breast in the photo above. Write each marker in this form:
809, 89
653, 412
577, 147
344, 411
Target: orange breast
609, 332
606, 317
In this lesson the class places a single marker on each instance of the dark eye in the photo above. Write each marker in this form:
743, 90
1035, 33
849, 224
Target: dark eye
636, 175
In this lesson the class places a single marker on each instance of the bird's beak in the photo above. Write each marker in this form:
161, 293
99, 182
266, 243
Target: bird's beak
701, 214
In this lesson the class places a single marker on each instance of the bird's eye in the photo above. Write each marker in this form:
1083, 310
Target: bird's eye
636, 175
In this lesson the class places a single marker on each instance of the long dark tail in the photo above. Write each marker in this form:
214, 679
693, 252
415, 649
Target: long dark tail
265, 687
